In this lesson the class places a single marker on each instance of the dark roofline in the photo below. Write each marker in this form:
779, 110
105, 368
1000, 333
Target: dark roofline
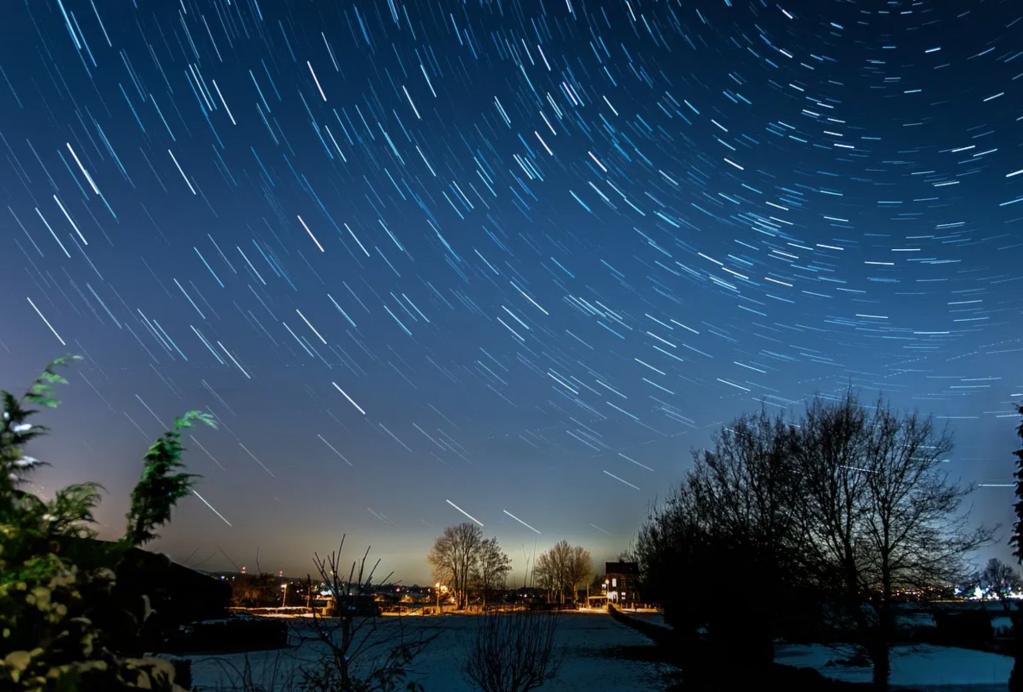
621, 567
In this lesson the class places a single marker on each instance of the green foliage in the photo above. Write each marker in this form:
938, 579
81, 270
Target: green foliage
57, 585
69, 513
16, 431
162, 483
41, 391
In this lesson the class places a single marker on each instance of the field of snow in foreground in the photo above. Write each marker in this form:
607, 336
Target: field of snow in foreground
920, 666
586, 642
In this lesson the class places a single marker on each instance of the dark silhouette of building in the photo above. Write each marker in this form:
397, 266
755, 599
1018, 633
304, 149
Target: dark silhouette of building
621, 583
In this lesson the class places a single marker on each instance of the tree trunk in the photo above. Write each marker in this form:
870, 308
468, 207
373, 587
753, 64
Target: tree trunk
881, 646
885, 621
881, 658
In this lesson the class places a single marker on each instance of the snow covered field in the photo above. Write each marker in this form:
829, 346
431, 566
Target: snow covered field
585, 640
922, 666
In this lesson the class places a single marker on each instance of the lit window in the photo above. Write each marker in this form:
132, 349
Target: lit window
614, 582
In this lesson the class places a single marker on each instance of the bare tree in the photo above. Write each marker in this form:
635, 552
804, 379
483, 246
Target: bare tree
562, 568
892, 522
546, 575
579, 568
669, 550
513, 652
998, 580
830, 488
454, 554
748, 462
491, 568
740, 495
850, 505
362, 657
916, 531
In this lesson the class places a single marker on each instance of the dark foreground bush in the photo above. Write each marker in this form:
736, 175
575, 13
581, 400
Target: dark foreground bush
66, 620
221, 636
971, 628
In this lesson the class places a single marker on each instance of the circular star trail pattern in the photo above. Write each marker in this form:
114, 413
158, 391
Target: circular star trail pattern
501, 260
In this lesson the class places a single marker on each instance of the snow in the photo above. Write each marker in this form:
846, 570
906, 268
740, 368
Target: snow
1002, 625
585, 640
920, 666
916, 620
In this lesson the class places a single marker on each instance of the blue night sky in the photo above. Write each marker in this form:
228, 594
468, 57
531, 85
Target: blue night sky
515, 259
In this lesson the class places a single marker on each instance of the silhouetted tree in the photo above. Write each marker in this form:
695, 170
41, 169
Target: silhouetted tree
561, 569
1016, 679
998, 580
728, 530
365, 653
491, 568
880, 516
454, 555
546, 575
579, 568
513, 652
162, 483
849, 505
670, 550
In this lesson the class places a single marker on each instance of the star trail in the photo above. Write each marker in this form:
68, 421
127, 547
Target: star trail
506, 260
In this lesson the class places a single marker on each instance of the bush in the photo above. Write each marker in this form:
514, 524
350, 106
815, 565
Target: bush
964, 628
513, 652
62, 623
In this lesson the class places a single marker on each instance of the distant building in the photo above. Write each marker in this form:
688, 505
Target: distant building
621, 583
358, 605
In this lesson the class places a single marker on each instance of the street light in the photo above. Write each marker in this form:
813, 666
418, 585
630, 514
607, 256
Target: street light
284, 599
436, 590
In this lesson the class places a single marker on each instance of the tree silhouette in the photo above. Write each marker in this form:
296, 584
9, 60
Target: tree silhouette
491, 569
1016, 678
162, 483
454, 555
65, 622
362, 652
562, 568
850, 504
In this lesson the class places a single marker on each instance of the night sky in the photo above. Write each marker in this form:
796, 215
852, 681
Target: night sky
509, 259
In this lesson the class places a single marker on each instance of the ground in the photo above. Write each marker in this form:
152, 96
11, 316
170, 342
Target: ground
598, 654
923, 667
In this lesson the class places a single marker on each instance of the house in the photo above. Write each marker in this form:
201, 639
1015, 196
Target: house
356, 604
621, 583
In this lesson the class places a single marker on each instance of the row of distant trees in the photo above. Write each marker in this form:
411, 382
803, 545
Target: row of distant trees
811, 527
464, 560
469, 563
562, 569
